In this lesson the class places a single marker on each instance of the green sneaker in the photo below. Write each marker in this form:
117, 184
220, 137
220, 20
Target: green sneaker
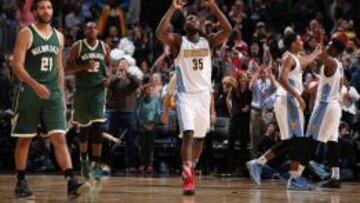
85, 169
97, 170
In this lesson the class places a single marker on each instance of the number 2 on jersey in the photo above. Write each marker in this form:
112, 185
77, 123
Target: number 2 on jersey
46, 64
95, 68
198, 64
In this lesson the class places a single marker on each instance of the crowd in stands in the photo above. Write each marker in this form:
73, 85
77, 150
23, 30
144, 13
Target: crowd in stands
245, 72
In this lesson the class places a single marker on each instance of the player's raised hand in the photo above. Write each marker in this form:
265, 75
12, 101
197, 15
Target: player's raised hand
320, 50
178, 4
209, 3
319, 36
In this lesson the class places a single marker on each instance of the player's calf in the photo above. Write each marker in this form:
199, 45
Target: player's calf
96, 138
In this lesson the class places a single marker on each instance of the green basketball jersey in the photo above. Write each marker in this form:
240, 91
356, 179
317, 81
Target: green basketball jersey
97, 53
41, 57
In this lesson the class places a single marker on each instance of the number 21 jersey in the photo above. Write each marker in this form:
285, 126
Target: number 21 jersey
41, 56
193, 66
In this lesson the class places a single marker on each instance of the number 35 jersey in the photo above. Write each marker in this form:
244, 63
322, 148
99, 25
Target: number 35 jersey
41, 55
193, 66
92, 77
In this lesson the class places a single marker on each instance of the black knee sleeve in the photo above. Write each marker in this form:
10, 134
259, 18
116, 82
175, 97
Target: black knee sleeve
96, 133
310, 149
281, 147
305, 148
84, 134
333, 153
295, 149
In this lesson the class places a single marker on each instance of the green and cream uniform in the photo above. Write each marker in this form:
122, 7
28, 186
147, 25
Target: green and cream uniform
90, 97
41, 64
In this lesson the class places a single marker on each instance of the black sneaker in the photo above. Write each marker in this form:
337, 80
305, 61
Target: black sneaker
22, 190
76, 189
332, 183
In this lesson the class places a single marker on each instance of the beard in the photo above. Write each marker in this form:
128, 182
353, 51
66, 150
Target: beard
91, 37
44, 20
192, 30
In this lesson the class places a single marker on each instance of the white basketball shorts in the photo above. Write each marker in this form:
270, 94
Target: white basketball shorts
324, 122
193, 112
289, 116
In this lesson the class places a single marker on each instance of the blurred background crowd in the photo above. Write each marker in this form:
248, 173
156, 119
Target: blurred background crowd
245, 70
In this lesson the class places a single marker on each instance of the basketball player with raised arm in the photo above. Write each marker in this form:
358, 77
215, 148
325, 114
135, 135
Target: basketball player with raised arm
193, 75
325, 119
289, 107
38, 66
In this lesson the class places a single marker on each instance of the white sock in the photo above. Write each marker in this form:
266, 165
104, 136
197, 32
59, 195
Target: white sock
187, 165
300, 169
187, 169
294, 174
298, 172
261, 160
335, 173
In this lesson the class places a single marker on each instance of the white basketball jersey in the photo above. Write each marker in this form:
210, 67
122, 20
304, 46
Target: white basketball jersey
329, 87
193, 66
294, 77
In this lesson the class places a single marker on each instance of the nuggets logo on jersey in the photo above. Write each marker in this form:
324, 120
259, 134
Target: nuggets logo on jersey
196, 53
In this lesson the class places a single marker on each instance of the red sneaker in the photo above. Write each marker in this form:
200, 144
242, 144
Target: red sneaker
188, 176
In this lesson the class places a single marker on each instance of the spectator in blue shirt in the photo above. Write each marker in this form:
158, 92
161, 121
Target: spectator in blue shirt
263, 87
148, 114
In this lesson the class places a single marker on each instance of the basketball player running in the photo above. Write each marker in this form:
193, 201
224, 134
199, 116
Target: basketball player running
38, 65
88, 60
193, 73
289, 107
325, 119
170, 104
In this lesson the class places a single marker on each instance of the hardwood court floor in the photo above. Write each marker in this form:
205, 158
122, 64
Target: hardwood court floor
168, 190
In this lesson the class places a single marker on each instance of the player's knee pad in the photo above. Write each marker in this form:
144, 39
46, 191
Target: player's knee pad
84, 134
333, 153
96, 133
